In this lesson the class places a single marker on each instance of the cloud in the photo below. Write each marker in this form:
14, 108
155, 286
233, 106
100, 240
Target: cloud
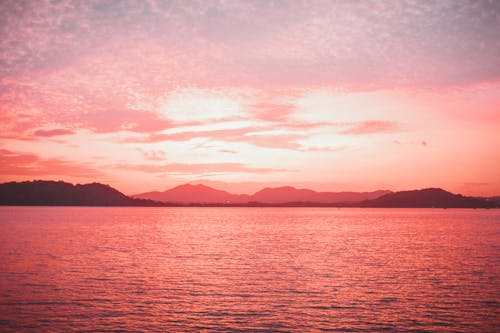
199, 168
257, 136
124, 120
152, 155
229, 151
325, 149
188, 135
269, 140
26, 164
422, 143
371, 127
53, 132
268, 79
202, 105
55, 100
246, 43
272, 112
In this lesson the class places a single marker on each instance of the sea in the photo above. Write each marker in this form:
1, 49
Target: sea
188, 269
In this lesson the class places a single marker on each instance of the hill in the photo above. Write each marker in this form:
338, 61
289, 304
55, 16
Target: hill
52, 193
291, 194
427, 198
189, 193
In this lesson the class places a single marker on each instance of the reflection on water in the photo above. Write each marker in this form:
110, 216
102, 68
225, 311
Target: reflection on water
248, 269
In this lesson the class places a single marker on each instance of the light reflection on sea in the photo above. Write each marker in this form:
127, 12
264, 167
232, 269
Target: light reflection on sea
66, 269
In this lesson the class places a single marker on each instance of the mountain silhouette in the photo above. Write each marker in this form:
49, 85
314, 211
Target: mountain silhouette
292, 194
59, 193
52, 193
427, 198
189, 193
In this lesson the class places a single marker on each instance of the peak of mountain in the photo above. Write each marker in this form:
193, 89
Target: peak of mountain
199, 193
195, 188
292, 194
283, 194
427, 198
282, 188
190, 186
51, 193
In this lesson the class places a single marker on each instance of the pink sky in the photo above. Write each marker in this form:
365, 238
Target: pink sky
329, 95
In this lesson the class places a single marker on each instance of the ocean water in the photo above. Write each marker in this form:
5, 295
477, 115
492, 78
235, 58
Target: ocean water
70, 269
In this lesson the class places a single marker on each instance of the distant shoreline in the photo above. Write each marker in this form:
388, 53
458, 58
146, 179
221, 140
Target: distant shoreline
62, 194
241, 206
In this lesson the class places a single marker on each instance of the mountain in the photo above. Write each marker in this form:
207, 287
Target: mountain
203, 194
426, 198
292, 194
52, 193
189, 193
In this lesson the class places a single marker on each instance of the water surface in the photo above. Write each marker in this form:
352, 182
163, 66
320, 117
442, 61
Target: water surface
66, 269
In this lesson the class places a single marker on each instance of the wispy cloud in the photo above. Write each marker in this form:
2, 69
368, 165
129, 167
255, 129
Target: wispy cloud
17, 164
152, 155
325, 149
199, 168
254, 82
272, 112
255, 136
371, 127
53, 132
229, 151
245, 43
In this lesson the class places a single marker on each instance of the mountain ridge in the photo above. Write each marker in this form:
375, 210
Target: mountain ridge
59, 193
427, 198
193, 193
199, 193
291, 194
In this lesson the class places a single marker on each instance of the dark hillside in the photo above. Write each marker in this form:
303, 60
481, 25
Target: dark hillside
427, 198
52, 193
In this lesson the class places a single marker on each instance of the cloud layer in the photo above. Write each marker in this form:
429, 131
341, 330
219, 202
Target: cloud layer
261, 89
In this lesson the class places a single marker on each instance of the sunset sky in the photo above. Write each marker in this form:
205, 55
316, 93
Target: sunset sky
329, 95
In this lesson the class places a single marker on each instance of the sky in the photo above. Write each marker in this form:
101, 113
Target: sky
240, 95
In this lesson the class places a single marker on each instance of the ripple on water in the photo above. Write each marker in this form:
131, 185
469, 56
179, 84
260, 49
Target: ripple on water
248, 270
